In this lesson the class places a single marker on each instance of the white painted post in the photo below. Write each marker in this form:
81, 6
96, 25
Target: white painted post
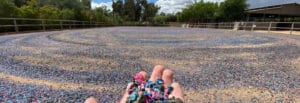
292, 28
236, 26
253, 26
16, 25
245, 25
269, 28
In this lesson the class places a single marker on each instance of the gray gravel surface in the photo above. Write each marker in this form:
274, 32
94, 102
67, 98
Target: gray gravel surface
212, 65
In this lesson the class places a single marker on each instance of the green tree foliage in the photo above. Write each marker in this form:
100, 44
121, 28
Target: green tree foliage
135, 10
84, 15
29, 11
100, 14
150, 12
138, 10
67, 14
118, 8
123, 10
129, 10
232, 10
7, 8
61, 9
86, 4
229, 10
64, 4
49, 12
20, 3
160, 19
163, 18
199, 12
179, 17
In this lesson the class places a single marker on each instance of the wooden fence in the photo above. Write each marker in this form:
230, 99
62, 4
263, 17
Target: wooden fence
289, 27
24, 24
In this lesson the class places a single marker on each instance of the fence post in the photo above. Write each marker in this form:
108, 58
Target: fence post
43, 24
69, 23
74, 24
16, 25
292, 28
245, 25
269, 28
252, 28
61, 26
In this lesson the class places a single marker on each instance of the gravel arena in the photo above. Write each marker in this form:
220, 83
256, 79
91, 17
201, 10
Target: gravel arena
213, 66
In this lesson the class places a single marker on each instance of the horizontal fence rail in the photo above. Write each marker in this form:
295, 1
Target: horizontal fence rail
289, 27
25, 24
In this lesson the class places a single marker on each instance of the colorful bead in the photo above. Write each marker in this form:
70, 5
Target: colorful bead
154, 92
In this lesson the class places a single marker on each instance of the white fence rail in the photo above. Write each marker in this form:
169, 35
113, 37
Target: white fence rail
24, 24
290, 27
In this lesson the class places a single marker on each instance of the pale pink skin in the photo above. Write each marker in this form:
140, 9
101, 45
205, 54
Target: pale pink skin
159, 71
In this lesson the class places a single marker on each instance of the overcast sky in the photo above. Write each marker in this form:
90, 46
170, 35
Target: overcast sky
173, 6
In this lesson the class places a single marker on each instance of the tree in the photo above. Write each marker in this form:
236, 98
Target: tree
7, 8
160, 19
135, 10
100, 14
123, 10
179, 17
150, 12
29, 11
67, 14
49, 12
20, 3
118, 7
199, 12
86, 4
232, 10
64, 4
138, 10
129, 10
83, 15
163, 18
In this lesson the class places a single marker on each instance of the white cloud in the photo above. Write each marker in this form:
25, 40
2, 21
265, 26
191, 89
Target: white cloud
174, 6
108, 5
213, 0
